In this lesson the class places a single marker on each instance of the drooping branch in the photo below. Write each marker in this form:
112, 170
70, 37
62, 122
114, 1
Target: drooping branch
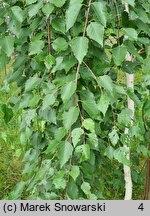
49, 42
84, 32
49, 35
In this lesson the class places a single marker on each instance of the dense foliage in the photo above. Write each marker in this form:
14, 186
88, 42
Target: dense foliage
69, 56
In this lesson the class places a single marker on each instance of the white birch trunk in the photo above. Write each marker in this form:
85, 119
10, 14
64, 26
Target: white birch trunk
127, 170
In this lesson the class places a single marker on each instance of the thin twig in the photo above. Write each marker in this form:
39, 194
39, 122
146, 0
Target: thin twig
117, 21
93, 76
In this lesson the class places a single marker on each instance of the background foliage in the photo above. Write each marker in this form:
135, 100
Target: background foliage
69, 65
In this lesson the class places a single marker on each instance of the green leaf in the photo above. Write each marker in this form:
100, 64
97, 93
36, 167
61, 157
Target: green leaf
109, 152
86, 188
69, 62
32, 83
130, 2
49, 61
100, 12
93, 139
48, 101
8, 45
131, 33
134, 97
76, 134
79, 46
58, 65
59, 25
70, 117
60, 133
60, 44
48, 115
103, 104
34, 9
106, 82
36, 47
52, 147
64, 152
91, 108
89, 124
18, 13
67, 91
85, 152
95, 31
59, 182
28, 117
72, 12
124, 118
28, 2
119, 54
113, 136
48, 9
58, 3
73, 190
75, 171
120, 155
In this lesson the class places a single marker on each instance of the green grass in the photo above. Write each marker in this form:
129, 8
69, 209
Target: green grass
10, 147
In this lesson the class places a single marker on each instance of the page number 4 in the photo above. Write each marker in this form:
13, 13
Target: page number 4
141, 207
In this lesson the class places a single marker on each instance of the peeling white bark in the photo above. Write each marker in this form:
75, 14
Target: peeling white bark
127, 170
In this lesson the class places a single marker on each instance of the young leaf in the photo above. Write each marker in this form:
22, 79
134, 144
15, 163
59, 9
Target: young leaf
49, 61
85, 152
76, 134
52, 147
91, 108
59, 182
32, 83
70, 117
64, 152
28, 2
103, 104
8, 45
95, 31
48, 9
124, 118
60, 133
75, 171
119, 54
100, 12
36, 47
131, 33
113, 136
109, 152
72, 12
89, 124
79, 46
106, 82
34, 9
93, 139
58, 3
86, 188
60, 44
130, 2
48, 101
67, 91
18, 13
